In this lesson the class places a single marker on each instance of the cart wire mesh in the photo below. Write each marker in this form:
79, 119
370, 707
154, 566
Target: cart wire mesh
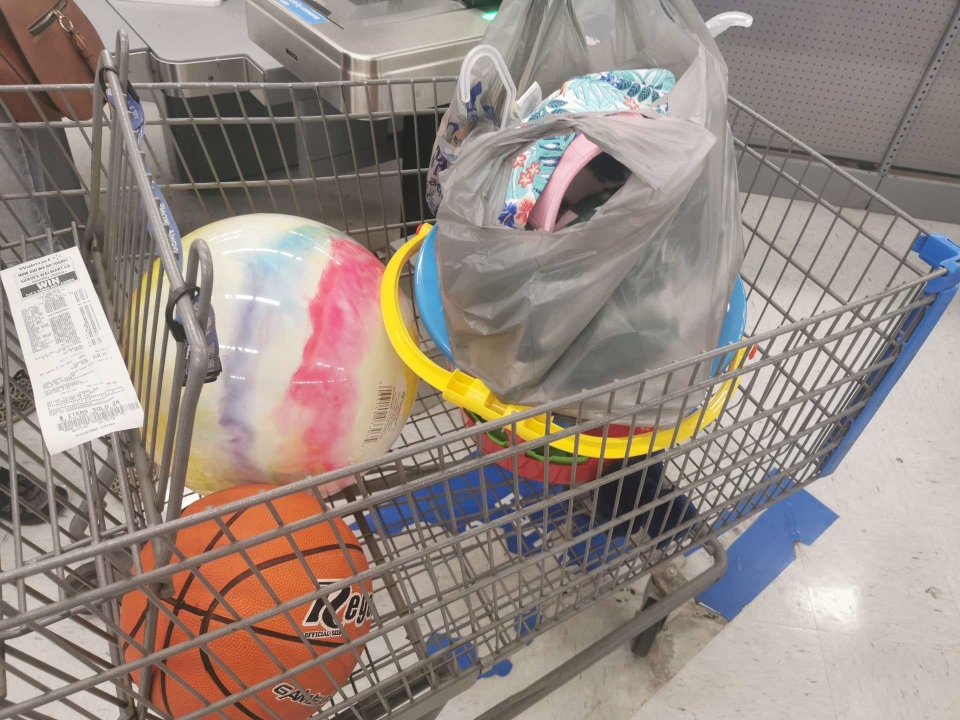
468, 559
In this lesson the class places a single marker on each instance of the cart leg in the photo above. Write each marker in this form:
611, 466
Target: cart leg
662, 583
433, 715
642, 643
105, 478
84, 576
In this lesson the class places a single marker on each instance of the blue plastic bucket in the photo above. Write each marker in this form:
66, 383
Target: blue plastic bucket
427, 290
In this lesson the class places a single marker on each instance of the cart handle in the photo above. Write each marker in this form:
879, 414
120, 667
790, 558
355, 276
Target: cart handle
471, 394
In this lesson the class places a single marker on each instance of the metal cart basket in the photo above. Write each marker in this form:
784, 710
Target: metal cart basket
469, 560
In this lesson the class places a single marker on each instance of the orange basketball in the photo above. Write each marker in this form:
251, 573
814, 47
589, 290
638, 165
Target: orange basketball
208, 671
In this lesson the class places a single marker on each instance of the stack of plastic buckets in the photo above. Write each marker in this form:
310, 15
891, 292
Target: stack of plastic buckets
563, 465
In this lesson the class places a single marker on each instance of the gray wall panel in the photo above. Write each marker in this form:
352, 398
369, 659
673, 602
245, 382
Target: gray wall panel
838, 74
933, 140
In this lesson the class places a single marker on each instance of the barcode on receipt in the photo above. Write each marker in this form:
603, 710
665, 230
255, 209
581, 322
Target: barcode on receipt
84, 418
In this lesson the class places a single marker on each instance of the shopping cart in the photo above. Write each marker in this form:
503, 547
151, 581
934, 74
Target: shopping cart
469, 561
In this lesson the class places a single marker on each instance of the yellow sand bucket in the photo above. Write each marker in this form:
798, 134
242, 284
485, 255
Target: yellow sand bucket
471, 394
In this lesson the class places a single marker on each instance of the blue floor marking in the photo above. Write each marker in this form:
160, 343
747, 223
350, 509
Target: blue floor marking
472, 500
765, 496
765, 549
466, 656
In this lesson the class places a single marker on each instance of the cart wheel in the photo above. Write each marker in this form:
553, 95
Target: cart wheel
84, 577
642, 643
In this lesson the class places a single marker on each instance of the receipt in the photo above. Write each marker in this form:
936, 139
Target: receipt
81, 386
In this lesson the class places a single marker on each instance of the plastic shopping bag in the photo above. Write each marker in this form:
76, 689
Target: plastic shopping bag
644, 281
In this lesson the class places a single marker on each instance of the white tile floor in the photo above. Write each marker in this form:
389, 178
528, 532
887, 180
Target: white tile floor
864, 625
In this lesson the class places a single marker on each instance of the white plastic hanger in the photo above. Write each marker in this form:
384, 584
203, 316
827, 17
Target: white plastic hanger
510, 110
718, 23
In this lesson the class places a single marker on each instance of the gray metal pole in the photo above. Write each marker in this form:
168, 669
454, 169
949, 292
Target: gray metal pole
946, 40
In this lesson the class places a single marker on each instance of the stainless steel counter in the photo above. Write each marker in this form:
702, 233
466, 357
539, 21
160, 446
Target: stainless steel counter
181, 43
355, 40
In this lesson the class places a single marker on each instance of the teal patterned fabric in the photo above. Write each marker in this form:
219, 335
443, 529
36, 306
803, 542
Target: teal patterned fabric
623, 90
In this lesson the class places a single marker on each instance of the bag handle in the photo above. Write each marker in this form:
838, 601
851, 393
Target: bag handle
559, 19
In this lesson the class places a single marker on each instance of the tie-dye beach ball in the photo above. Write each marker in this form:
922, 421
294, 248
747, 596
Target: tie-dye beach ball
310, 382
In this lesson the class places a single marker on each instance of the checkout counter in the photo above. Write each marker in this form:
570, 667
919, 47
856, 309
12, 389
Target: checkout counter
358, 40
375, 40
289, 40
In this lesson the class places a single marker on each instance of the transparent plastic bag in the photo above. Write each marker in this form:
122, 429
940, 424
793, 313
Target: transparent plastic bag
644, 282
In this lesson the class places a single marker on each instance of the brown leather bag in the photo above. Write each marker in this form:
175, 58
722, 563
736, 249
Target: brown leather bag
44, 43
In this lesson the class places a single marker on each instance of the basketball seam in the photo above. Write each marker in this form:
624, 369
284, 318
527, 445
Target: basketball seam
227, 621
204, 624
179, 604
181, 600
